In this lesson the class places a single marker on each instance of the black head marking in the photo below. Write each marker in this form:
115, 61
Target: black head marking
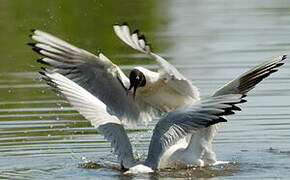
137, 79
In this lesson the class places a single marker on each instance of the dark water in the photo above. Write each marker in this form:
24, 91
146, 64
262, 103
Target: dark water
211, 42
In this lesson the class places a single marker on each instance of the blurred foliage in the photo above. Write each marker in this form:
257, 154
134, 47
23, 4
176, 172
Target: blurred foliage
86, 24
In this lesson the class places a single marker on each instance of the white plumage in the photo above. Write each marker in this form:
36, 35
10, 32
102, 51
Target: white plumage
102, 85
171, 128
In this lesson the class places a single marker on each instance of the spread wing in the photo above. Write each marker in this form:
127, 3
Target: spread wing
97, 74
95, 111
187, 120
174, 78
247, 81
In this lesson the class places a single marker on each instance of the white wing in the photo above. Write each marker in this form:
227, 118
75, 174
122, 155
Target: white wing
187, 120
247, 81
95, 111
175, 79
243, 84
96, 74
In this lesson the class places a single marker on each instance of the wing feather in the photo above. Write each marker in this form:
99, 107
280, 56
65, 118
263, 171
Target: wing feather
97, 74
247, 81
187, 120
175, 79
95, 111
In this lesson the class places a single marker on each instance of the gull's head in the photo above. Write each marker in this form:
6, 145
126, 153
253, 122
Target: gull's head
137, 79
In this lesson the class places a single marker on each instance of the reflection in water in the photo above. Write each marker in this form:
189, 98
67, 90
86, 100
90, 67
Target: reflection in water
210, 42
227, 169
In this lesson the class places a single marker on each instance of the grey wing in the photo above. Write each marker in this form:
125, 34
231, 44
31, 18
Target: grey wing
97, 74
95, 111
174, 78
187, 120
247, 81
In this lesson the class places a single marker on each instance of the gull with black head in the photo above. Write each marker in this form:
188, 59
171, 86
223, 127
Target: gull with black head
169, 89
152, 92
137, 79
172, 127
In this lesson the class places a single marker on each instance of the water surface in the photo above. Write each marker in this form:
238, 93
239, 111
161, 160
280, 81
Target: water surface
210, 42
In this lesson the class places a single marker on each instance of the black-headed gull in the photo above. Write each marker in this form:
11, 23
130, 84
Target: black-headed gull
166, 89
97, 74
176, 91
172, 127
163, 91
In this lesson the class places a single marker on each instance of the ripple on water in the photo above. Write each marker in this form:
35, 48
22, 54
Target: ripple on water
212, 42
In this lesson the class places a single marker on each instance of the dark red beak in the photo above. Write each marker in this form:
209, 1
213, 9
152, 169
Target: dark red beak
134, 91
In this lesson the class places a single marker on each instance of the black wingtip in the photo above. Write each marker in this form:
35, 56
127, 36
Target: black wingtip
243, 101
279, 64
284, 57
220, 119
228, 112
36, 49
273, 70
41, 61
243, 96
136, 31
42, 73
142, 37
53, 85
31, 44
43, 68
124, 24
236, 108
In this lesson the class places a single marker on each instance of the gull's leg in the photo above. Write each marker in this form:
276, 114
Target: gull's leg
209, 156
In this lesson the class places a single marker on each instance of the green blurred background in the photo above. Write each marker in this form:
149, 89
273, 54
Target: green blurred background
209, 41
87, 25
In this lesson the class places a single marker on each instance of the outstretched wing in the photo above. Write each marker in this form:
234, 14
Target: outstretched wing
95, 111
187, 120
97, 74
247, 81
174, 78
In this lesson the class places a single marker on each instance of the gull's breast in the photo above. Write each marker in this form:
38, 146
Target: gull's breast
163, 97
